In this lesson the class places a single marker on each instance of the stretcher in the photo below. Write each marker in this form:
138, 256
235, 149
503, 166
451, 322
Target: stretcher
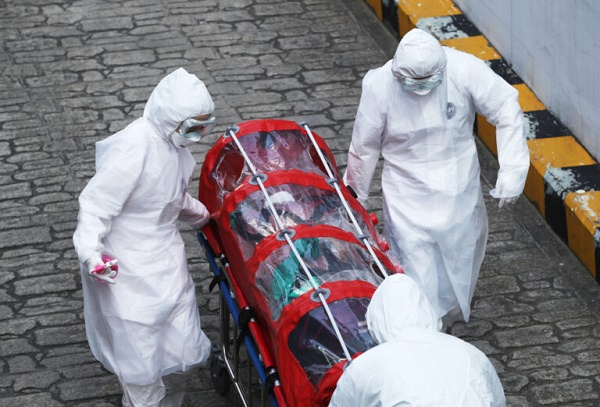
296, 259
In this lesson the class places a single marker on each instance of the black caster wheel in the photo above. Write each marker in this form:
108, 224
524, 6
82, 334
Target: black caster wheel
219, 374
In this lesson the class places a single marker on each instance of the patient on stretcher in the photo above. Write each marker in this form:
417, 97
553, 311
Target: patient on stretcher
282, 279
295, 204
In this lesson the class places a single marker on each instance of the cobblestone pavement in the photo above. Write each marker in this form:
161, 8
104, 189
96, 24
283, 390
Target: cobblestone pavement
75, 71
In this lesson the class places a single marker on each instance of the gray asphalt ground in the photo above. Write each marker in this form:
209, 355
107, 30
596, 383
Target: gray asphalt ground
75, 71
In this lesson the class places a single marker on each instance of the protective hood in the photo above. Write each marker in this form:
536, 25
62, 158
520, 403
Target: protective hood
177, 96
397, 305
419, 55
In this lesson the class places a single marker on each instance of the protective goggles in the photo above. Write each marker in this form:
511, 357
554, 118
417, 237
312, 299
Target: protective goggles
194, 129
422, 85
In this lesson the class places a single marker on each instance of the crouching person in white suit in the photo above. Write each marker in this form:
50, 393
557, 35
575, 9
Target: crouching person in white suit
143, 324
415, 364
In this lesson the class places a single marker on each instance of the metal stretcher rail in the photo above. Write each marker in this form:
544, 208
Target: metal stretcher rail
265, 377
334, 182
287, 235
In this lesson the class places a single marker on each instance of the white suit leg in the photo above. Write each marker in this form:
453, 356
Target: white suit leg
176, 384
149, 395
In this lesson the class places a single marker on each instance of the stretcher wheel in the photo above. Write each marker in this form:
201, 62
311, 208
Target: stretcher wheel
219, 374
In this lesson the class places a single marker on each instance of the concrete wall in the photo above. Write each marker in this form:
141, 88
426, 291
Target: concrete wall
554, 45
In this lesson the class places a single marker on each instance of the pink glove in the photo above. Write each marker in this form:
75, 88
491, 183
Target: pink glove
102, 268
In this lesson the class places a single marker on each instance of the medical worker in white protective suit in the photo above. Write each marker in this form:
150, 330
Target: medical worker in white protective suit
143, 324
415, 364
418, 111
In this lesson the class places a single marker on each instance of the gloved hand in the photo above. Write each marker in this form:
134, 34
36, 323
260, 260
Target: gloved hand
214, 217
102, 268
506, 201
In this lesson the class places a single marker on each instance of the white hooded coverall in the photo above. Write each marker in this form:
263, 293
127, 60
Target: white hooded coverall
434, 212
147, 325
415, 364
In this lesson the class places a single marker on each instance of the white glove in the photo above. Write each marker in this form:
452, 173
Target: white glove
506, 201
101, 270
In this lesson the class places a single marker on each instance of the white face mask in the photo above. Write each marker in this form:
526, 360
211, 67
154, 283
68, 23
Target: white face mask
181, 142
422, 86
421, 92
192, 130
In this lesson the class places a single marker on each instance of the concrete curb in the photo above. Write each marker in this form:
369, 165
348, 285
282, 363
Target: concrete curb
564, 179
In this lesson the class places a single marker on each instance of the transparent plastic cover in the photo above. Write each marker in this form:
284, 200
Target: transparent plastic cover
281, 278
268, 151
295, 204
314, 343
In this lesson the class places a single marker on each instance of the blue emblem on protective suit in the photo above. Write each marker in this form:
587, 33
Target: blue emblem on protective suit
450, 110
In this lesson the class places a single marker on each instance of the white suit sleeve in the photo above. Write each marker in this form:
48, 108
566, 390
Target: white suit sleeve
365, 147
193, 212
484, 381
117, 173
498, 101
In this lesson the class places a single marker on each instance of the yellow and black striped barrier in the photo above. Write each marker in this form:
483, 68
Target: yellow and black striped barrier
564, 179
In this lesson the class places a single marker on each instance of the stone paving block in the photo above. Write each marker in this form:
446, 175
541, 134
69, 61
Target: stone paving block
81, 65
311, 106
50, 305
552, 373
239, 62
29, 400
164, 43
95, 102
475, 329
586, 370
497, 285
96, 387
291, 8
576, 333
228, 16
514, 383
343, 113
35, 380
498, 306
16, 326
62, 207
4, 148
283, 70
240, 74
78, 116
60, 335
21, 364
561, 304
589, 356
328, 76
564, 392
24, 256
18, 237
16, 190
578, 345
128, 58
556, 316
254, 98
46, 284
91, 369
109, 23
19, 346
275, 84
41, 199
540, 362
64, 357
5, 311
